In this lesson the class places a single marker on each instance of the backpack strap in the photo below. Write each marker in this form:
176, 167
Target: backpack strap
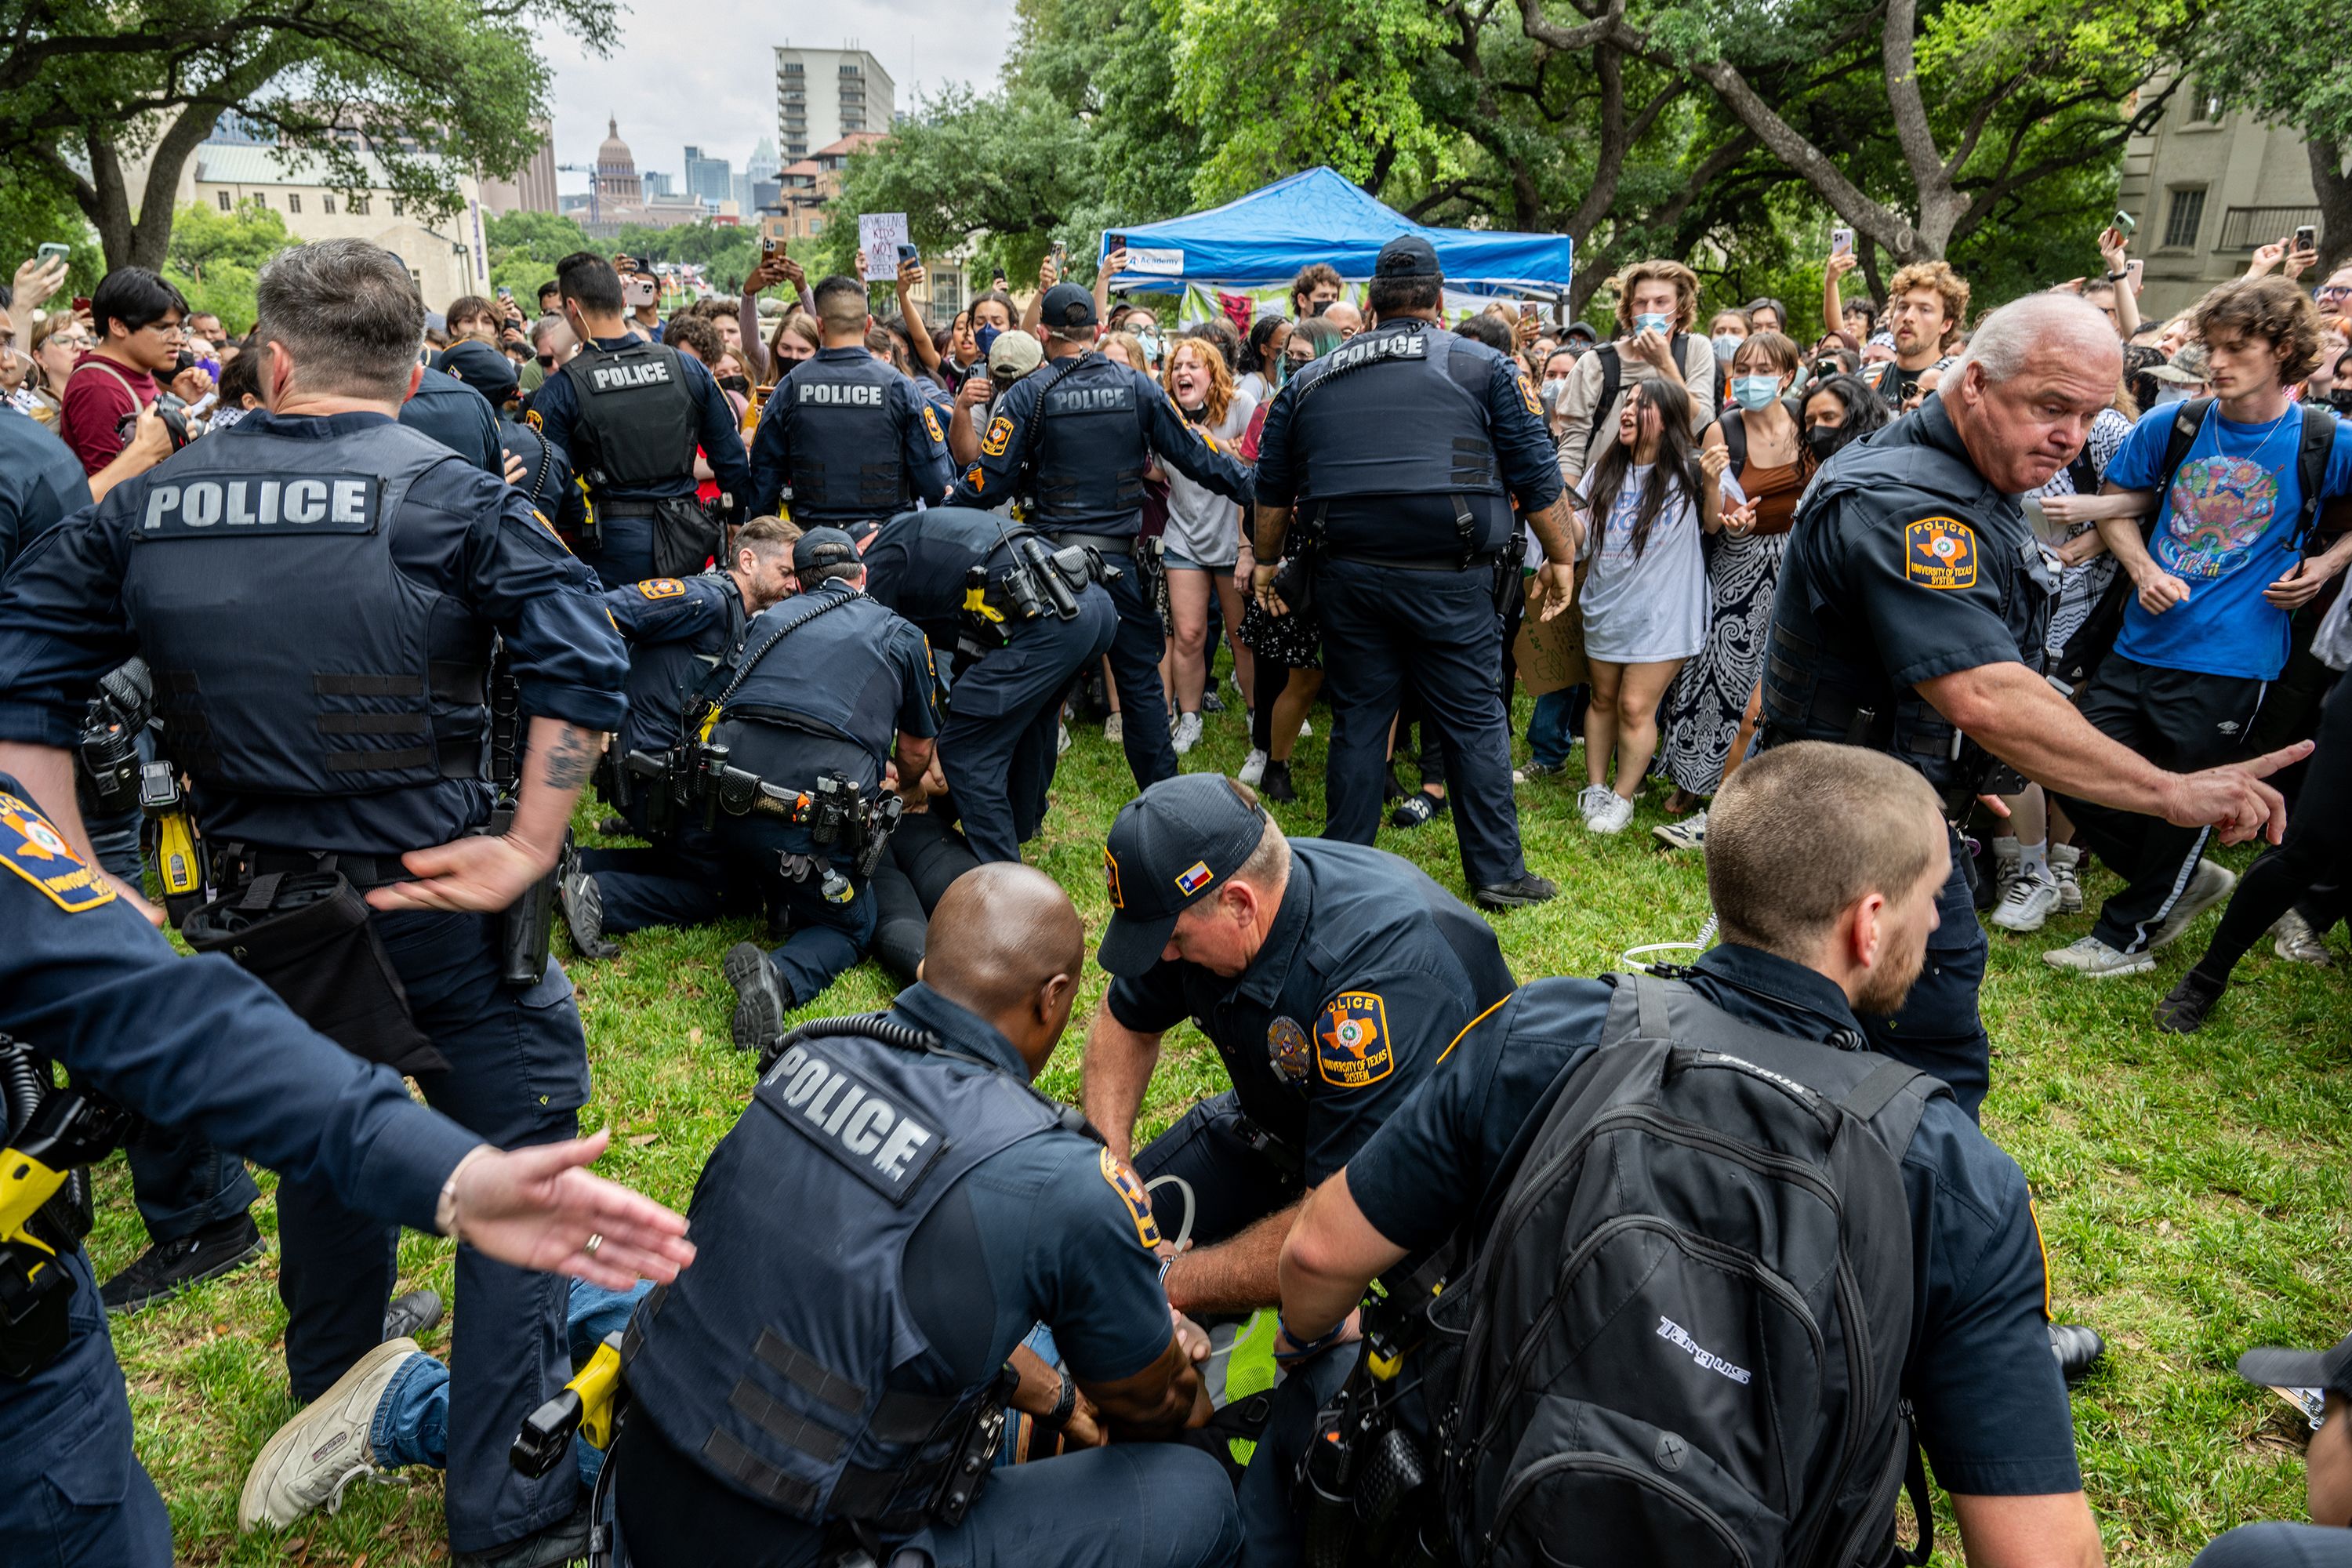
1735, 439
2185, 423
2318, 446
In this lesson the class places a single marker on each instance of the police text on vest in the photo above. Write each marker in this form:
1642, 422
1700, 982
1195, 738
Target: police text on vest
333, 503
845, 1115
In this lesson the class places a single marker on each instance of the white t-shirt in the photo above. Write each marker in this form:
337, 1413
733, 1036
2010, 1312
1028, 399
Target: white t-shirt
1203, 527
1651, 607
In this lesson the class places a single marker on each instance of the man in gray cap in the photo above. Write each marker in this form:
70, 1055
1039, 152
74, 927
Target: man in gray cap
1405, 448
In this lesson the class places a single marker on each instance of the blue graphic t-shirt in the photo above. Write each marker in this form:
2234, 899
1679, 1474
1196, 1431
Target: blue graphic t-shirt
2227, 529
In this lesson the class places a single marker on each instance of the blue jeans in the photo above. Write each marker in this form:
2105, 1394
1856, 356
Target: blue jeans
1547, 736
412, 1419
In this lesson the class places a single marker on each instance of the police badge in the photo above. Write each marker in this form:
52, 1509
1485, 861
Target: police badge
1286, 1049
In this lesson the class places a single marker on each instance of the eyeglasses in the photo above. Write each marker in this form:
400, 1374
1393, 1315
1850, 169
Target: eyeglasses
2332, 291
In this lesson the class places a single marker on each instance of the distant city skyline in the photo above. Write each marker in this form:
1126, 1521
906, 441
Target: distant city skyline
712, 84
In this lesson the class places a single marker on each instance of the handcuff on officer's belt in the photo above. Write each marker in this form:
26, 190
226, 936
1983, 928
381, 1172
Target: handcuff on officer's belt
1039, 582
47, 1136
835, 810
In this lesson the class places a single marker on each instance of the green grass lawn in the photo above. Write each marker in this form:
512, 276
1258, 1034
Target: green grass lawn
2192, 1193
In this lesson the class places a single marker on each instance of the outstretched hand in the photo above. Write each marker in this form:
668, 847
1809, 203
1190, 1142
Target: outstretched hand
537, 1207
484, 873
2234, 800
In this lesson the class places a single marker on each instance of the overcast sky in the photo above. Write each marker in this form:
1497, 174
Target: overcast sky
704, 71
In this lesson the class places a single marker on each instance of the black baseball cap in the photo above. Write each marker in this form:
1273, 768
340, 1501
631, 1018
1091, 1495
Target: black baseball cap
821, 547
2329, 1370
1170, 848
481, 367
1408, 256
1067, 305
1577, 329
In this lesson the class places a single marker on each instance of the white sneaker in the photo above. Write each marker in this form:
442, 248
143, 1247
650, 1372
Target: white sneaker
1186, 733
2006, 856
1612, 817
2031, 898
1062, 742
1306, 728
1252, 768
1593, 798
2207, 885
2089, 956
1113, 730
2065, 860
2296, 942
1690, 832
315, 1456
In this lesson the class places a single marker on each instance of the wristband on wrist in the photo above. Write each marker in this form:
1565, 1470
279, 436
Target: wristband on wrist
1065, 1405
1306, 1347
446, 1218
2117, 277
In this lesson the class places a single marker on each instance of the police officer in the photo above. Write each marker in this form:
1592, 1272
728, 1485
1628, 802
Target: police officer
810, 1388
678, 630
1399, 447
628, 414
1073, 439
86, 982
316, 591
822, 692
533, 462
1330, 976
1911, 611
1015, 656
458, 416
1992, 1409
850, 437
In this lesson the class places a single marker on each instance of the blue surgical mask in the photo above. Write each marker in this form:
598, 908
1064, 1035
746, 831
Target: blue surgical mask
985, 336
1754, 391
1652, 321
1725, 345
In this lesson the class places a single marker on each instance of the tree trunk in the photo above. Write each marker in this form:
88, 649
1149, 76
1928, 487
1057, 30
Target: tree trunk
2334, 190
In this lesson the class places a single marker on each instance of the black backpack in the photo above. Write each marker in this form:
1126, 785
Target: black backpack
2084, 652
1687, 1319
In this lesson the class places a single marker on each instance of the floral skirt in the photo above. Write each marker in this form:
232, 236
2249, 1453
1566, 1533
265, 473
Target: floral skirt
1709, 696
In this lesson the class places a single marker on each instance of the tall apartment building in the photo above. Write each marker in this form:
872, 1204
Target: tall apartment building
824, 95
711, 179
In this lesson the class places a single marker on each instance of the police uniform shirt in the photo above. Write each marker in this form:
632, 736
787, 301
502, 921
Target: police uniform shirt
557, 404
460, 532
1404, 525
1093, 386
658, 612
1896, 571
1368, 972
916, 563
458, 416
41, 483
197, 1042
922, 434
1050, 1230
546, 475
1992, 1408
807, 654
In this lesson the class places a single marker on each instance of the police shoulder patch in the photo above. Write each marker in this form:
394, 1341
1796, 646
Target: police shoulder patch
1130, 1190
1940, 552
661, 587
37, 852
533, 417
1528, 395
932, 423
999, 437
1351, 1041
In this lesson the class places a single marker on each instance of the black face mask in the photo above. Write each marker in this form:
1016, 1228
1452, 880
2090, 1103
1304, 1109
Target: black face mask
2340, 399
1823, 439
735, 384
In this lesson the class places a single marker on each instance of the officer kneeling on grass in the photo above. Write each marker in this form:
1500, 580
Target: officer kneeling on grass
1712, 1245
1330, 978
85, 983
1024, 619
894, 1213
823, 690
678, 630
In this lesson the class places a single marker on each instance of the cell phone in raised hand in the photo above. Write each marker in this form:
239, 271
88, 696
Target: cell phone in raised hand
51, 250
2125, 223
2306, 238
1840, 242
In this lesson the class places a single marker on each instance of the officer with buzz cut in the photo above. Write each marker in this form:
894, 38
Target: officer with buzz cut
1073, 439
848, 436
824, 692
1040, 617
1330, 978
317, 592
628, 415
1401, 450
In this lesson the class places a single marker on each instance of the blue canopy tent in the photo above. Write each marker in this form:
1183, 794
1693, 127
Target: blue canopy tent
1263, 239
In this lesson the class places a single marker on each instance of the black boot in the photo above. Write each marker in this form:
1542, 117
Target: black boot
2077, 1349
1275, 784
168, 1268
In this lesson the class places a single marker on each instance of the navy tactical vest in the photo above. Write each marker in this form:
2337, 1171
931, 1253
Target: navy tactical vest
916, 564
1823, 677
637, 421
824, 696
1397, 410
846, 457
663, 675
291, 655
786, 1359
1087, 447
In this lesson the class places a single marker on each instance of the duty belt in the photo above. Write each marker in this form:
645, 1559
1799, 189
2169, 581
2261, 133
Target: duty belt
1109, 543
361, 871
632, 506
1415, 562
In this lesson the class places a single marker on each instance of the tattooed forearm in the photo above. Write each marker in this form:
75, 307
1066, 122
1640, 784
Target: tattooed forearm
570, 760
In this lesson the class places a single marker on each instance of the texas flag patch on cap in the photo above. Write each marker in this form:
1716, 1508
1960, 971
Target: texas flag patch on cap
1191, 881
